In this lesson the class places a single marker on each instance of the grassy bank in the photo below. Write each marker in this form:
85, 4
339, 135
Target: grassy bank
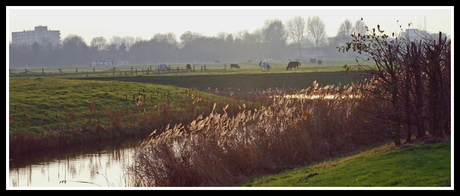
51, 112
418, 165
47, 101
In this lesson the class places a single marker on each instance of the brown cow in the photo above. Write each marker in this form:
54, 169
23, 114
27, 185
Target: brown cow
293, 64
234, 66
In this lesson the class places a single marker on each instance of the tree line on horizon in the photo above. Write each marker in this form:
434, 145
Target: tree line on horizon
274, 40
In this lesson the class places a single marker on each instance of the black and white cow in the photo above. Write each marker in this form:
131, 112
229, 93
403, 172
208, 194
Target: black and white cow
162, 66
265, 65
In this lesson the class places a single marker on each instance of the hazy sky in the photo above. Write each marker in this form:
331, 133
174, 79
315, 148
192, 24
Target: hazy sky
90, 22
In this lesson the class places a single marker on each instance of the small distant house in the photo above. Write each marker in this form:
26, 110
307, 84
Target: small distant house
96, 63
311, 52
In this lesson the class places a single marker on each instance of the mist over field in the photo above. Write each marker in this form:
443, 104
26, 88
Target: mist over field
187, 35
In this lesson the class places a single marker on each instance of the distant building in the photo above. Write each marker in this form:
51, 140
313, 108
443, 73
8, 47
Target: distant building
311, 52
40, 34
417, 34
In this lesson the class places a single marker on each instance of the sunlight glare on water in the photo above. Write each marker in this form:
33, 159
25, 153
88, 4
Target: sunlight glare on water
86, 170
303, 96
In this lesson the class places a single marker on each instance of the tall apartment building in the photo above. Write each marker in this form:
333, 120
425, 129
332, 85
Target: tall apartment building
38, 35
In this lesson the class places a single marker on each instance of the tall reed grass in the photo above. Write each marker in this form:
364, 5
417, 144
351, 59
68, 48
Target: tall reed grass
223, 150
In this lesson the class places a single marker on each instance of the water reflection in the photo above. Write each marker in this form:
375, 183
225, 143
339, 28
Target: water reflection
100, 166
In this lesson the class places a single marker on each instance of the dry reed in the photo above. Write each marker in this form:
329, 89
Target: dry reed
223, 150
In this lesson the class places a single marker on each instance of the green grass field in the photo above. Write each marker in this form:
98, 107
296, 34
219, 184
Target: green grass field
50, 99
200, 69
427, 165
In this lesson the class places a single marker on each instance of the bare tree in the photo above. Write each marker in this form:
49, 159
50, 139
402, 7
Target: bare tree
296, 29
274, 35
74, 50
98, 43
410, 80
128, 41
316, 30
169, 38
360, 28
116, 41
345, 29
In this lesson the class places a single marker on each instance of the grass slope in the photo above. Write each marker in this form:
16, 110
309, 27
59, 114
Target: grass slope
51, 99
418, 165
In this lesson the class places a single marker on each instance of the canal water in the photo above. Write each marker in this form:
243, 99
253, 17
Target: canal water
96, 165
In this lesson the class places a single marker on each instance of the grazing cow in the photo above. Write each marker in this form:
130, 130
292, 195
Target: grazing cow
234, 66
216, 61
162, 66
293, 64
188, 67
320, 62
265, 65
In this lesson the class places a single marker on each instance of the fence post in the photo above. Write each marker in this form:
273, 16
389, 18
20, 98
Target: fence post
193, 67
76, 70
225, 66
94, 70
43, 71
204, 67
136, 71
25, 70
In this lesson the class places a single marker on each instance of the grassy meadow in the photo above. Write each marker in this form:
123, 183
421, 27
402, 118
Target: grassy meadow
416, 165
177, 69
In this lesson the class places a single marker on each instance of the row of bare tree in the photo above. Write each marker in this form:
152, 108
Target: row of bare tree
411, 81
273, 40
